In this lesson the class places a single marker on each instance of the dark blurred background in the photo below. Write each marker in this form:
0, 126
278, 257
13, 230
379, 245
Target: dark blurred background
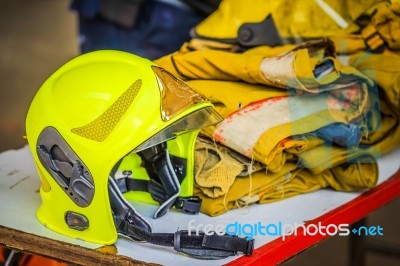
38, 36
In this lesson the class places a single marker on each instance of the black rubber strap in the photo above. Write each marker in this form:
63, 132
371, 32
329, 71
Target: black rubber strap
133, 184
202, 246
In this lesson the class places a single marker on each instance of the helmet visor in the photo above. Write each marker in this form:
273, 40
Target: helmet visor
194, 121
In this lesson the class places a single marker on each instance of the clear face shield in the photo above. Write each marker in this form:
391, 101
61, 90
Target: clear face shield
194, 121
176, 97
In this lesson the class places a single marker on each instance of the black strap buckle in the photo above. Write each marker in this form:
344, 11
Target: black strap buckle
375, 42
213, 246
200, 251
189, 205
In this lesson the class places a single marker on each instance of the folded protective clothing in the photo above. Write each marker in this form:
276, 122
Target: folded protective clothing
216, 167
275, 99
275, 119
386, 136
250, 186
384, 70
230, 96
264, 187
215, 65
353, 25
272, 117
381, 131
292, 20
330, 156
385, 118
292, 69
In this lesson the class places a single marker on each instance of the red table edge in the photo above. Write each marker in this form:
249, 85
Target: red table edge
278, 250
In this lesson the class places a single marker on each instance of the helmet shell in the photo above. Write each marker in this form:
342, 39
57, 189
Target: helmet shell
103, 105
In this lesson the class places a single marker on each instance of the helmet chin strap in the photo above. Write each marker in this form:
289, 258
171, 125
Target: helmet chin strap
166, 174
164, 186
131, 224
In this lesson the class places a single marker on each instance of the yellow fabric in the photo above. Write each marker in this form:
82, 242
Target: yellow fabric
383, 28
215, 170
385, 133
266, 187
329, 156
217, 74
242, 187
230, 15
307, 19
353, 176
199, 44
346, 177
266, 147
255, 66
228, 96
387, 136
293, 19
216, 65
385, 71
